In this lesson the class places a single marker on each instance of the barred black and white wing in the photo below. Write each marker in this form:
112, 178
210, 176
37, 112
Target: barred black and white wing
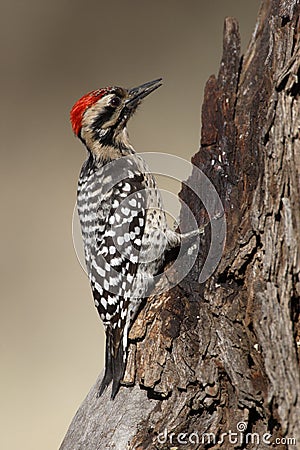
112, 260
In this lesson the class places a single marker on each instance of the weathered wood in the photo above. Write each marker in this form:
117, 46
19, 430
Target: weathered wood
205, 357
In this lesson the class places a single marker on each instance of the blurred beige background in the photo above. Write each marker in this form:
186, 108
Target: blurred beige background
51, 339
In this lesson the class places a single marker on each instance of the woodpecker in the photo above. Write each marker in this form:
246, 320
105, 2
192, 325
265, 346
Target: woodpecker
124, 227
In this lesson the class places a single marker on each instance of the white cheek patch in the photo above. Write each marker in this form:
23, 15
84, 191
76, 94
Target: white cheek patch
97, 109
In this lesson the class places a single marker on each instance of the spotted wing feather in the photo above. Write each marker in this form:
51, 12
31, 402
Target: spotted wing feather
114, 264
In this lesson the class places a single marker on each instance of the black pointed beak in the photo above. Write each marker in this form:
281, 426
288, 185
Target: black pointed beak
138, 93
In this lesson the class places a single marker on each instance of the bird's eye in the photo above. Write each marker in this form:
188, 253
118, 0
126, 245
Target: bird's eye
115, 101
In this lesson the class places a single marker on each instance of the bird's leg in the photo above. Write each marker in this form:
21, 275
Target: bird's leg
193, 233
176, 239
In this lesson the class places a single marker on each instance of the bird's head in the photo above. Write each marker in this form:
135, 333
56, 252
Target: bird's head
99, 118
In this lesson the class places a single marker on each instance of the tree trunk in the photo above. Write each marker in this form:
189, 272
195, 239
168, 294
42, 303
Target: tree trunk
216, 364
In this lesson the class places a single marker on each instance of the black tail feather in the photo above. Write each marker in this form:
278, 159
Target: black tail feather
108, 375
114, 367
118, 368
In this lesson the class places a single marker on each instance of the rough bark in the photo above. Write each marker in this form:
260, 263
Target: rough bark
205, 357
